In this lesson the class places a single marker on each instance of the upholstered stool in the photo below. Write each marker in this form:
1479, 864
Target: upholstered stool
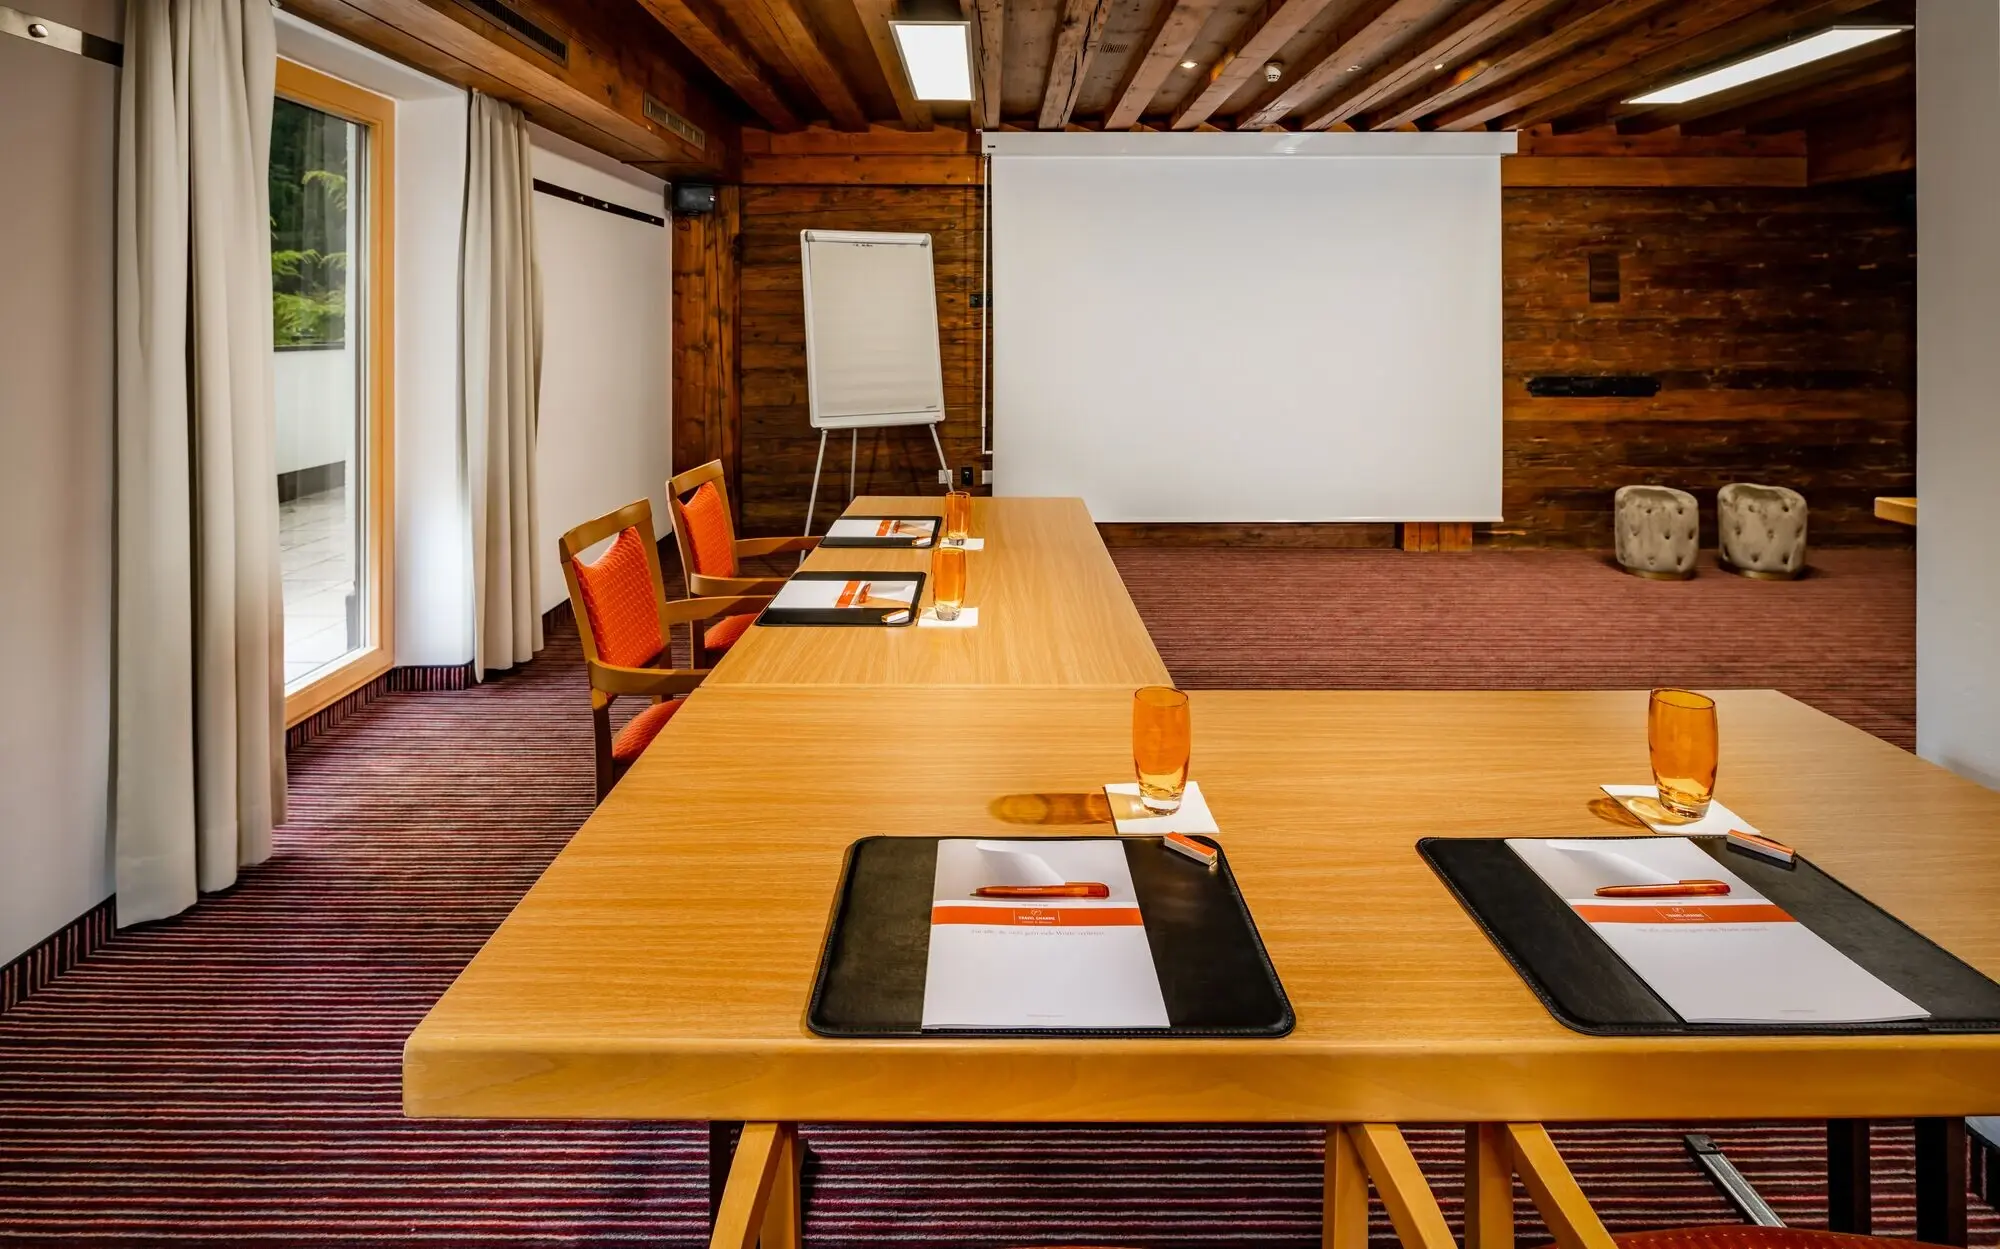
1763, 530
1659, 531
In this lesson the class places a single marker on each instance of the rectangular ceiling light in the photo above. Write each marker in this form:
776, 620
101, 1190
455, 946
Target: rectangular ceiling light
937, 56
1790, 56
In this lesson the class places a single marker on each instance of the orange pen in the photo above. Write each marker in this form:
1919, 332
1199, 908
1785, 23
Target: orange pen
1075, 889
1679, 889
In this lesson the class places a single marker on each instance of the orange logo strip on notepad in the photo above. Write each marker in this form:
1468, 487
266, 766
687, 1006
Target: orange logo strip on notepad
851, 592
1740, 913
1040, 916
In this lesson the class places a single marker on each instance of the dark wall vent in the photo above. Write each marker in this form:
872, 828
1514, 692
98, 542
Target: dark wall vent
1614, 386
540, 38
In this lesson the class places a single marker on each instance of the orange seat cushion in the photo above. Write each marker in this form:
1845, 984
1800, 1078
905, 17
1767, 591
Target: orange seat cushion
618, 599
724, 632
710, 535
641, 729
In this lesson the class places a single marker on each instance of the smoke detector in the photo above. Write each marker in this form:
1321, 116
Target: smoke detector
1273, 70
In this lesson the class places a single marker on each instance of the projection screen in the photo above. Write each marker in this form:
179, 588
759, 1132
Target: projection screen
1248, 327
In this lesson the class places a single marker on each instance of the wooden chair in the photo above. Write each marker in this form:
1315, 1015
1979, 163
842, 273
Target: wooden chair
1496, 1152
626, 622
712, 554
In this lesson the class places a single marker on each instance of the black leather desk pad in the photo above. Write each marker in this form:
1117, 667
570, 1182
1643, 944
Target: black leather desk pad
890, 544
1214, 973
1590, 989
822, 617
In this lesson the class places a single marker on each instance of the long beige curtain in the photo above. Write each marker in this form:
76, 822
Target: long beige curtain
198, 751
501, 363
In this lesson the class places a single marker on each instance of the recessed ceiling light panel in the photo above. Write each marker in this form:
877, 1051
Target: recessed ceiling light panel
1790, 56
937, 56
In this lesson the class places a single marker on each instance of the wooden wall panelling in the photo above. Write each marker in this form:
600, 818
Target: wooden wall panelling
1783, 357
778, 442
1865, 143
707, 409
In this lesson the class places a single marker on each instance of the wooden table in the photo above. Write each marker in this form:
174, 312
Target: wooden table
1052, 611
1901, 510
660, 968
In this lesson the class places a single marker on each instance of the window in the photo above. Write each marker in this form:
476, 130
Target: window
332, 153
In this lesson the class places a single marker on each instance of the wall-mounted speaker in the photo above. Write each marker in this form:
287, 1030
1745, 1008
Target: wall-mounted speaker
694, 198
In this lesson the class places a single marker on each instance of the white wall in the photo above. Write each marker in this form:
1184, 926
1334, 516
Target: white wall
58, 152
606, 434
1958, 386
433, 598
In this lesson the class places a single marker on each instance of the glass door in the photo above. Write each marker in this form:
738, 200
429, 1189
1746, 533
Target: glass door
329, 319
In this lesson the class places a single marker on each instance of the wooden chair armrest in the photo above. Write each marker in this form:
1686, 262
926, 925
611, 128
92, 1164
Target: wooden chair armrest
689, 610
773, 546
645, 682
700, 585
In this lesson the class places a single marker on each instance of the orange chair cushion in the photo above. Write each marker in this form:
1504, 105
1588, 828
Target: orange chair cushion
619, 601
641, 729
725, 631
710, 535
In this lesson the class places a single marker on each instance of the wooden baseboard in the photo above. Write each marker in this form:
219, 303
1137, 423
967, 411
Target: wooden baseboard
1437, 536
1315, 537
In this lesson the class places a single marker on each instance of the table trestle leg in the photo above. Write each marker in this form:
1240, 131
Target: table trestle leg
1489, 1187
1553, 1189
760, 1203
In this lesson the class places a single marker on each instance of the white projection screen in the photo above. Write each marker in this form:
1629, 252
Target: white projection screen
1249, 327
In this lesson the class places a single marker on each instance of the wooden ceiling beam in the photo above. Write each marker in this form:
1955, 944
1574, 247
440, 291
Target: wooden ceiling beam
1354, 47
1578, 23
1079, 31
1642, 119
1287, 20
802, 48
875, 15
1444, 50
1179, 22
1870, 83
1704, 40
728, 62
989, 33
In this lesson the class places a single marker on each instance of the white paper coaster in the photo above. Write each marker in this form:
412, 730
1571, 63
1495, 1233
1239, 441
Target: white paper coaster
967, 544
1643, 801
1132, 816
968, 618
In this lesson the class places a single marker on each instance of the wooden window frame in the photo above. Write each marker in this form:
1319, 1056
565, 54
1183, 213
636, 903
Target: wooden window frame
305, 85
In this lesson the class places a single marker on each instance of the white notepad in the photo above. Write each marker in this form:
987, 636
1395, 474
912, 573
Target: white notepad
818, 595
1738, 958
1050, 963
1132, 817
1643, 801
917, 529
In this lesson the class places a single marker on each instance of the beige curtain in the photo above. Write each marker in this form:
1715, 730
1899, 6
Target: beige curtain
198, 749
500, 358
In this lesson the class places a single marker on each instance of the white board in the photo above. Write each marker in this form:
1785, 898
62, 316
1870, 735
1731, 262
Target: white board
872, 353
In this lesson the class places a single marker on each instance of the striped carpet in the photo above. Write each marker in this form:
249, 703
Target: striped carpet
229, 1077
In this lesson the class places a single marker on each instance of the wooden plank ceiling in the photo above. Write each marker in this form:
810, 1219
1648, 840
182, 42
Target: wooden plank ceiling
1557, 66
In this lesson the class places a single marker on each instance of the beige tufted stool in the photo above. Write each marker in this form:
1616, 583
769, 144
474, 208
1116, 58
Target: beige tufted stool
1659, 531
1763, 530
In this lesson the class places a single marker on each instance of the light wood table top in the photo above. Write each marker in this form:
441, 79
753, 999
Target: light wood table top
660, 969
1052, 611
1901, 510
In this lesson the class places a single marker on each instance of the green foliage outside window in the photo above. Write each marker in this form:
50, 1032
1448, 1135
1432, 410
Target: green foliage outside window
309, 154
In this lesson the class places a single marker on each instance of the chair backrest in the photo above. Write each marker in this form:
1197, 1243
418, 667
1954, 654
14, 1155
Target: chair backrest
620, 597
705, 534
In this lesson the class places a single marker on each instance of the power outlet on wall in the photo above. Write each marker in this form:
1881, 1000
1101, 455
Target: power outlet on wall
985, 476
944, 477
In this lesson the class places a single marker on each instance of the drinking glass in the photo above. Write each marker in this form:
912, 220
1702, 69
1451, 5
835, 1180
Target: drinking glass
1680, 732
947, 581
1161, 740
957, 516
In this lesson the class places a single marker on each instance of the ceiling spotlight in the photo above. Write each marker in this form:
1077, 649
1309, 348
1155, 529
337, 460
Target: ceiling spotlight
934, 39
1187, 64
1439, 65
1354, 69
1273, 71
1776, 61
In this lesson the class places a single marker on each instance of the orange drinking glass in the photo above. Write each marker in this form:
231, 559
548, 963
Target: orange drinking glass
957, 516
947, 581
1161, 741
1681, 734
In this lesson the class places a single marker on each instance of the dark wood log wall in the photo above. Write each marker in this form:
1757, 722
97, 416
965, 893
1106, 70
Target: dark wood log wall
1780, 322
778, 442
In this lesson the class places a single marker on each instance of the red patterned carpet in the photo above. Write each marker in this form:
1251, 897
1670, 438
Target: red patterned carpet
229, 1077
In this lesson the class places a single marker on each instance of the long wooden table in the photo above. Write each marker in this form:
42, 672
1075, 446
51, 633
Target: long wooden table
660, 968
1052, 611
